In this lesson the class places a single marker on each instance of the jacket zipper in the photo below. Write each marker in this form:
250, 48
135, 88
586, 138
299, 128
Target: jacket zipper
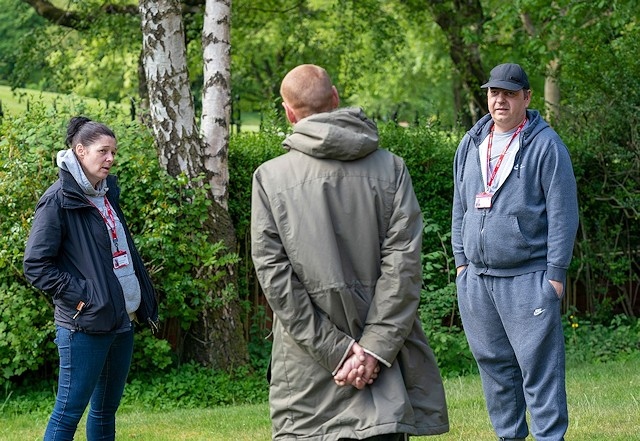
482, 238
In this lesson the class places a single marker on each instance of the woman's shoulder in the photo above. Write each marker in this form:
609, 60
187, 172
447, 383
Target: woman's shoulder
52, 193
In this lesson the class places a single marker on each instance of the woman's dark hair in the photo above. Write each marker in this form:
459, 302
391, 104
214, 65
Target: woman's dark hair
82, 130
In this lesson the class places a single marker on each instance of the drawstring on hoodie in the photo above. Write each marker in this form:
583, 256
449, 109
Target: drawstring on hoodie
464, 163
517, 163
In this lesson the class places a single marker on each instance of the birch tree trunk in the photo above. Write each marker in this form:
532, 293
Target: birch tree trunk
552, 92
217, 338
172, 111
216, 95
551, 86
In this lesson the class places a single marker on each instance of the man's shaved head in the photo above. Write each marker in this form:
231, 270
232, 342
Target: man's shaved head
307, 89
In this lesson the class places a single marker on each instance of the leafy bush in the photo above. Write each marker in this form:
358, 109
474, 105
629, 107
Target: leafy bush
187, 386
439, 307
166, 215
25, 172
191, 386
589, 340
428, 153
600, 125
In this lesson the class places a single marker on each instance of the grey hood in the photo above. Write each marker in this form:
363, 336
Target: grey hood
67, 160
343, 134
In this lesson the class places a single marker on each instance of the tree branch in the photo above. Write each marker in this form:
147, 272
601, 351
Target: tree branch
72, 19
56, 15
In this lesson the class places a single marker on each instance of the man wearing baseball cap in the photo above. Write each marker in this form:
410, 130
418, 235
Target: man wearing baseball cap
515, 218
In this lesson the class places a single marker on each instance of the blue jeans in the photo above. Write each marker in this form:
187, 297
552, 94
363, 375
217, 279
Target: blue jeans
93, 367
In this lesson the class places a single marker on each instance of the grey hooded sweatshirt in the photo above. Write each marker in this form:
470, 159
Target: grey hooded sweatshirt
532, 223
336, 236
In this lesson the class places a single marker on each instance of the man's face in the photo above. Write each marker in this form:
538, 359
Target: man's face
507, 107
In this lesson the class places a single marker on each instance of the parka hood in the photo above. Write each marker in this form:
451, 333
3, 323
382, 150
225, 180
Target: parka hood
343, 134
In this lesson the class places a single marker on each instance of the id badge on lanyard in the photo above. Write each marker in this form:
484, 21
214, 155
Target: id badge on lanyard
120, 257
483, 200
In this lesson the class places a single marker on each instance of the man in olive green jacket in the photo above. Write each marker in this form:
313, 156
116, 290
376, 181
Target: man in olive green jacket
336, 236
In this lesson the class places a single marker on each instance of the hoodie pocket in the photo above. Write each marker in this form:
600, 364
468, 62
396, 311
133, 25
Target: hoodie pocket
494, 240
505, 245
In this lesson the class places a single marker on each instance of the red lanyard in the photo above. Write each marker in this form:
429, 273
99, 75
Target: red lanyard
504, 152
110, 220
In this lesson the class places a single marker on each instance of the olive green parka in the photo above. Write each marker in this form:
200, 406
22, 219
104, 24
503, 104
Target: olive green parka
336, 236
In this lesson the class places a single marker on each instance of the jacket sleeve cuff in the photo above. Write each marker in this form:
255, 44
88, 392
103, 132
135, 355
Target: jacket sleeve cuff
344, 357
380, 359
558, 274
461, 259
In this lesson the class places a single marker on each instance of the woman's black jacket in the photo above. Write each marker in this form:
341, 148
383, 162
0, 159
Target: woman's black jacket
68, 256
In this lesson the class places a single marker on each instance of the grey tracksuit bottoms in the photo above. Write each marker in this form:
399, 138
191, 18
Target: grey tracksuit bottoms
514, 329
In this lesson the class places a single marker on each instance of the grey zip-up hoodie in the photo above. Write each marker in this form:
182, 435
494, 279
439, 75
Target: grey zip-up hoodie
533, 220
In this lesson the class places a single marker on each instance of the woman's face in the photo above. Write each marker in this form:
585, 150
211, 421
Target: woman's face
97, 159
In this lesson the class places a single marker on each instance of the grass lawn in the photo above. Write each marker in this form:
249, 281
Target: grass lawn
604, 405
16, 102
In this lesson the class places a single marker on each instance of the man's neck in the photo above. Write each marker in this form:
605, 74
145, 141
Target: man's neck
506, 128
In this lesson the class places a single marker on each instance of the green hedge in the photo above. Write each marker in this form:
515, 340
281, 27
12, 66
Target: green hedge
166, 217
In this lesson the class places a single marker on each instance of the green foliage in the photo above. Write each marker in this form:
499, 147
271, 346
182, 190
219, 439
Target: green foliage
439, 307
600, 125
25, 331
247, 150
192, 386
100, 61
26, 337
428, 152
589, 340
187, 386
380, 57
15, 19
259, 338
165, 216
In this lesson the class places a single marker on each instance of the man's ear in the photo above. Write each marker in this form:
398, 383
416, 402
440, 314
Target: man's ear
335, 98
291, 116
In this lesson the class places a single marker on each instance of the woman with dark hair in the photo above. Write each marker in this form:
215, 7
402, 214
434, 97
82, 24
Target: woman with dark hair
80, 252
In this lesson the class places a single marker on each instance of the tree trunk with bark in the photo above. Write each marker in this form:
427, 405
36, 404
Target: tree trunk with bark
456, 19
216, 95
551, 86
217, 338
552, 92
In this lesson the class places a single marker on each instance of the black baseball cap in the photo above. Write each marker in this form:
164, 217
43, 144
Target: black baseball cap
509, 76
